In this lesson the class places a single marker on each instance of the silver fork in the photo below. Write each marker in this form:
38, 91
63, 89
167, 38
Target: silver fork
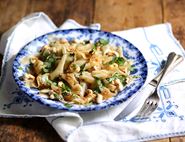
140, 98
151, 103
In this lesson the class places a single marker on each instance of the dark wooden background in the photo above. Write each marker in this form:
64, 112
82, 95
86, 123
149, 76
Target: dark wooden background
111, 14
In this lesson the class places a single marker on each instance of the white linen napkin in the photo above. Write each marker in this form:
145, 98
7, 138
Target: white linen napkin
155, 42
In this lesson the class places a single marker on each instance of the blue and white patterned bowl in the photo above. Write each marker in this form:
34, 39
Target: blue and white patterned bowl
129, 51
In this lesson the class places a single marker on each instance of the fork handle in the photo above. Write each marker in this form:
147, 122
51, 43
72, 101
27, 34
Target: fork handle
172, 61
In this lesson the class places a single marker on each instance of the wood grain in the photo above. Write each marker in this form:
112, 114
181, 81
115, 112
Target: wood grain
82, 11
59, 11
124, 14
161, 140
55, 9
27, 130
177, 139
11, 11
174, 12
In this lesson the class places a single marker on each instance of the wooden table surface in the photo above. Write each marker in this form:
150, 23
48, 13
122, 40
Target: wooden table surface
111, 14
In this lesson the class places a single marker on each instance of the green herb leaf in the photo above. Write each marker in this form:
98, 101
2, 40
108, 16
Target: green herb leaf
131, 68
68, 105
99, 83
119, 60
122, 78
75, 96
49, 63
49, 82
45, 54
74, 66
57, 96
115, 76
136, 76
82, 67
65, 89
51, 58
99, 86
94, 48
45, 69
54, 83
103, 41
100, 42
112, 61
88, 104
20, 68
97, 90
